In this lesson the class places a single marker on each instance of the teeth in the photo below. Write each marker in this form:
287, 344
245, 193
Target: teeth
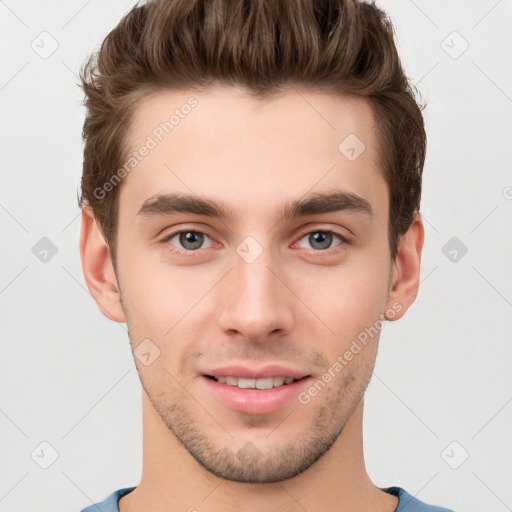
265, 383
247, 383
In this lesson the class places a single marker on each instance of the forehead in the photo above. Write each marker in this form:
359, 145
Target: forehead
251, 152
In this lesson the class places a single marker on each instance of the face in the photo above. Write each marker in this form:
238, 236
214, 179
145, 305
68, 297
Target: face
279, 286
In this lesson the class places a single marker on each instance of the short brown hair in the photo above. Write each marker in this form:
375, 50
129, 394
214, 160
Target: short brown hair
344, 47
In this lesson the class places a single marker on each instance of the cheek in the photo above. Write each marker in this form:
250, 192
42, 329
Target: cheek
169, 305
347, 298
154, 298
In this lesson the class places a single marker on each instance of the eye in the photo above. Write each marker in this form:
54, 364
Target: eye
188, 239
321, 240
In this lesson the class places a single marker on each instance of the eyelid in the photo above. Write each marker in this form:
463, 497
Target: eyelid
323, 229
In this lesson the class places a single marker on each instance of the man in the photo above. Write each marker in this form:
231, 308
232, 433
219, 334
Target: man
250, 195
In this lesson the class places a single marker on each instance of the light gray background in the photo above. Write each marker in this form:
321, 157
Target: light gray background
444, 371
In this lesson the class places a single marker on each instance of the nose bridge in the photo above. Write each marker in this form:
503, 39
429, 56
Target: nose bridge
255, 302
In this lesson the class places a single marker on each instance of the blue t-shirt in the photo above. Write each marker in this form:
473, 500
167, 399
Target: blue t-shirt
406, 503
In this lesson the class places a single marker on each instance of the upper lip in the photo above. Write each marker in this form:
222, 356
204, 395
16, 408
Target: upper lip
273, 370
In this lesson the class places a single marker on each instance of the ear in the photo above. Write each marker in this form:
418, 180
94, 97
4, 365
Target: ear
405, 275
98, 269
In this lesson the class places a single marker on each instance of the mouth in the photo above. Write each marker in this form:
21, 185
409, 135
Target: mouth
255, 396
262, 383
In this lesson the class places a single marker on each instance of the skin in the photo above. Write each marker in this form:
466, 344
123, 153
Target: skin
286, 307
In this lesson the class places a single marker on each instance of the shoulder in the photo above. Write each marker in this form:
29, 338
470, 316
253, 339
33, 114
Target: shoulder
408, 503
109, 504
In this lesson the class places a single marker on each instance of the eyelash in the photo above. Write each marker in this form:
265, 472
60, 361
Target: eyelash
314, 252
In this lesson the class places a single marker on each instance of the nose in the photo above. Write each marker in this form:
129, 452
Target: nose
255, 301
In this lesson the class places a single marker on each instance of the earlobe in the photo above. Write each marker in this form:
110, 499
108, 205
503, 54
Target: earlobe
97, 268
406, 269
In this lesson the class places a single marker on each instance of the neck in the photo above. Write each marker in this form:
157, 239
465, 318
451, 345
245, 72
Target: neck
173, 480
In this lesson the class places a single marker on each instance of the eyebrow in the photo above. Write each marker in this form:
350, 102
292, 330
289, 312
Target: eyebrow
314, 204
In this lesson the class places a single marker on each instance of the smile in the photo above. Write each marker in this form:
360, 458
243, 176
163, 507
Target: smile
245, 383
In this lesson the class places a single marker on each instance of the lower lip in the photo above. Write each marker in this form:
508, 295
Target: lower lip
255, 401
